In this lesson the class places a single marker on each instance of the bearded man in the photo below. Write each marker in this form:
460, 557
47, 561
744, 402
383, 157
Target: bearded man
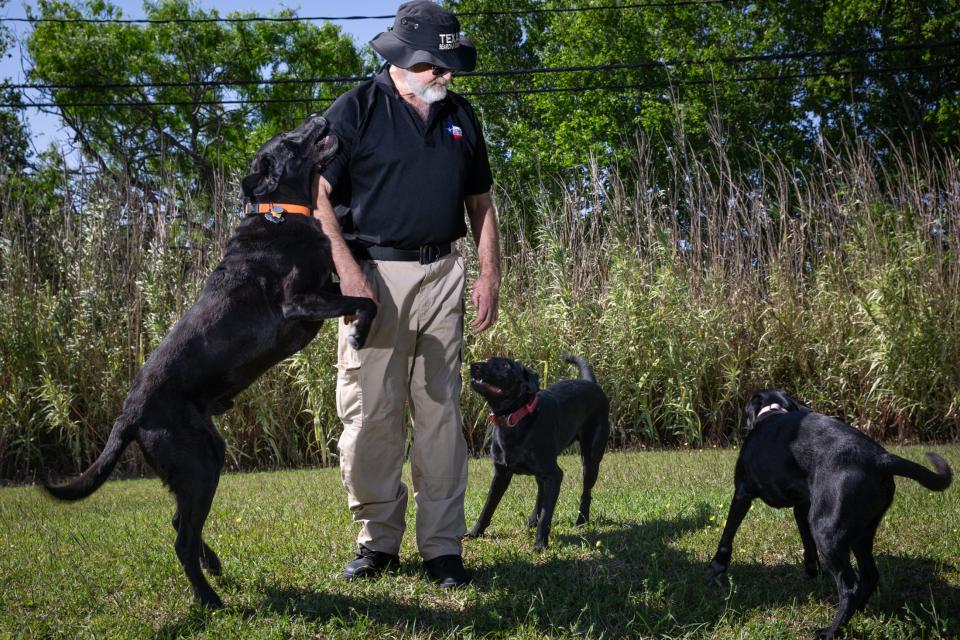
412, 162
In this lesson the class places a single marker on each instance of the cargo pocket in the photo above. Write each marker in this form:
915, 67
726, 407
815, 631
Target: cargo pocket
349, 396
349, 405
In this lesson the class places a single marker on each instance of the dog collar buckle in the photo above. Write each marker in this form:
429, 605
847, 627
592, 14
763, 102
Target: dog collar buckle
514, 418
275, 214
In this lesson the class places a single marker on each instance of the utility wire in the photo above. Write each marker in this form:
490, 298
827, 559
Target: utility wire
503, 12
506, 72
504, 92
705, 81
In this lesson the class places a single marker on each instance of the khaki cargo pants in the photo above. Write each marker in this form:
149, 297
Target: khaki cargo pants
412, 355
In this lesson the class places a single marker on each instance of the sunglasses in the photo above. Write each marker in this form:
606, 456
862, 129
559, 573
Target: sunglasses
439, 71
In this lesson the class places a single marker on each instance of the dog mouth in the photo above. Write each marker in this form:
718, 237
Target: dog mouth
479, 384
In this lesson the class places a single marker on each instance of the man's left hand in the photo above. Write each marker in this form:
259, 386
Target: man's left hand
486, 298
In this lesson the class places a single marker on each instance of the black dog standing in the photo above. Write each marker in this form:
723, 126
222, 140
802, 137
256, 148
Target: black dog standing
532, 427
264, 302
838, 481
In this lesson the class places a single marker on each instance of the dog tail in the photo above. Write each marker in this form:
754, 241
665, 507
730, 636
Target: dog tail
934, 481
586, 373
91, 479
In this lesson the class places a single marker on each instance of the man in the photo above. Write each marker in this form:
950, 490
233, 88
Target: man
412, 158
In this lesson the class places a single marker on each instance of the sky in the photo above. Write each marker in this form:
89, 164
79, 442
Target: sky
47, 129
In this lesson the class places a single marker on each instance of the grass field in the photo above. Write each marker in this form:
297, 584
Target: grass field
106, 567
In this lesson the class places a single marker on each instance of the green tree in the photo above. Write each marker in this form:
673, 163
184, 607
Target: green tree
923, 99
13, 136
717, 68
175, 122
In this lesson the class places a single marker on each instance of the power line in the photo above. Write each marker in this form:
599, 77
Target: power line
639, 5
767, 57
191, 20
504, 92
177, 103
704, 81
612, 7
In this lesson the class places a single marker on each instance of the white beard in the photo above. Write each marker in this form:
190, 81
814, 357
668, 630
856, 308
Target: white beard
431, 91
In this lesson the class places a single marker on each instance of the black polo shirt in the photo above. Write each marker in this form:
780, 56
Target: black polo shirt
397, 182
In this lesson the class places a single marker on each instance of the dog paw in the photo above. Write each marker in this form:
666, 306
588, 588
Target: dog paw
812, 569
355, 339
827, 633
210, 564
210, 600
716, 575
472, 535
540, 547
532, 522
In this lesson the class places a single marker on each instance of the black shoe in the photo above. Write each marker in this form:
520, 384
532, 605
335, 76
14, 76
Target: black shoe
447, 571
370, 563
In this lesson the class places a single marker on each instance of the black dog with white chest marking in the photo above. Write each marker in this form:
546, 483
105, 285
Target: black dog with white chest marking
838, 481
532, 427
265, 301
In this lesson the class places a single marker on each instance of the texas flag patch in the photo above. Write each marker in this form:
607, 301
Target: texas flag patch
454, 130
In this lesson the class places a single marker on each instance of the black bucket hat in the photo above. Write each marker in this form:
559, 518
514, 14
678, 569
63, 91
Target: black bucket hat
425, 32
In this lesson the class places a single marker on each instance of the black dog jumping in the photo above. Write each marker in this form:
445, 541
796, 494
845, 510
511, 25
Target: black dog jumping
532, 427
838, 481
264, 302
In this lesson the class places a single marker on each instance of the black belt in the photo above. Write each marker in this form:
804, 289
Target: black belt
426, 254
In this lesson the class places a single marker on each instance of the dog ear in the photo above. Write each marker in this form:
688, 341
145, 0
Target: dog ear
531, 381
266, 172
249, 183
326, 153
795, 405
751, 408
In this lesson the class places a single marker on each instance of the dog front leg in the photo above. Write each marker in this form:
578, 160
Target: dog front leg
316, 308
811, 561
721, 560
551, 491
498, 486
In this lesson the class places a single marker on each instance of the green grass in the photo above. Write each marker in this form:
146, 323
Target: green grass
106, 567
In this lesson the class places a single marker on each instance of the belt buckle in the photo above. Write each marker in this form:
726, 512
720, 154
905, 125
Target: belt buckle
429, 253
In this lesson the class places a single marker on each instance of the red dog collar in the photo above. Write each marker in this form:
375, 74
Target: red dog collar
514, 418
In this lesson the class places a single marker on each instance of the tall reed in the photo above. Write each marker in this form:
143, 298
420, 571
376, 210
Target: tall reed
690, 287
685, 283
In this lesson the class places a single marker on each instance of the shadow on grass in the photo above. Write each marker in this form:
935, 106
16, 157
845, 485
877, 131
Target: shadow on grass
636, 582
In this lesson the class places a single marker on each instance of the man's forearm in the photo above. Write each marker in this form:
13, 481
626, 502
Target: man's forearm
486, 288
483, 223
343, 261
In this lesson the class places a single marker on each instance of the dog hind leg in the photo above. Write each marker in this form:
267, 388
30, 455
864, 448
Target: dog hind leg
591, 453
836, 558
209, 560
192, 463
866, 565
193, 507
537, 512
